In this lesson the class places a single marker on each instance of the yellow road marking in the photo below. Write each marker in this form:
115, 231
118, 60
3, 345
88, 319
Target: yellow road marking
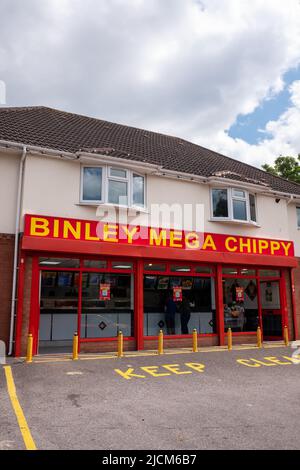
63, 358
11, 388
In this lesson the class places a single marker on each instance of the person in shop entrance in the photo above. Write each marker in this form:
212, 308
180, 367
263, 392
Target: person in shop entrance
185, 315
170, 309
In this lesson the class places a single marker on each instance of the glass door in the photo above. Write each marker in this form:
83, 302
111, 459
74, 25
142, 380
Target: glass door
271, 308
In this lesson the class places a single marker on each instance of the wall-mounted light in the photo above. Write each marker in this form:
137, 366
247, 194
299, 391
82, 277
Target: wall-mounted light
277, 201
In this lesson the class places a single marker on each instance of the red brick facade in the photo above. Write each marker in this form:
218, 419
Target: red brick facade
6, 275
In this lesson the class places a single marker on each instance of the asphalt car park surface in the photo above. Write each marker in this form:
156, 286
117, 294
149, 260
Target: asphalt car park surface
204, 400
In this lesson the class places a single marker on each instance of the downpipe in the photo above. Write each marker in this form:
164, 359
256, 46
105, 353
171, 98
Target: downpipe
16, 251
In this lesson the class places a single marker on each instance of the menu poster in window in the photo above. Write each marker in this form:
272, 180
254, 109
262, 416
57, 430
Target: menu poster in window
239, 294
177, 294
187, 284
104, 292
175, 282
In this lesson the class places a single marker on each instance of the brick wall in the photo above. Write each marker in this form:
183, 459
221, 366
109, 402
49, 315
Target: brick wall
6, 275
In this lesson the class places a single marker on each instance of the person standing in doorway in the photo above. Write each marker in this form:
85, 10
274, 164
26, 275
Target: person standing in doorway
185, 315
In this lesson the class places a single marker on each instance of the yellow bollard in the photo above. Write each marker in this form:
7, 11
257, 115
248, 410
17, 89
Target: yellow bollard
161, 342
75, 347
120, 344
195, 341
286, 336
29, 348
258, 334
229, 339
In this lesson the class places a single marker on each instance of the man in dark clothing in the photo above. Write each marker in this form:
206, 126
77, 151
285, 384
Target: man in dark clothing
185, 315
170, 315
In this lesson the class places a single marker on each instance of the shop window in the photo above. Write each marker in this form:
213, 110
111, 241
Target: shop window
97, 264
233, 204
269, 272
230, 271
154, 267
107, 305
178, 304
240, 304
248, 272
59, 262
112, 185
180, 269
58, 306
203, 269
121, 265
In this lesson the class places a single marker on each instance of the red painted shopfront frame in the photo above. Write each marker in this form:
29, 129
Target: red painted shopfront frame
36, 248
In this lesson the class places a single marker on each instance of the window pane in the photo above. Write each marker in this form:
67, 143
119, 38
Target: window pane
117, 192
220, 203
269, 272
248, 272
99, 264
121, 265
232, 271
107, 305
118, 173
92, 184
197, 308
240, 304
180, 269
138, 190
239, 209
59, 262
154, 267
298, 216
252, 207
203, 269
239, 193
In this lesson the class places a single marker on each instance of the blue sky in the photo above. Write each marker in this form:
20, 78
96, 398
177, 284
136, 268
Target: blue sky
248, 127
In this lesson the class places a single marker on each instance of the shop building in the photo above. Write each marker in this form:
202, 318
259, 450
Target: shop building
94, 239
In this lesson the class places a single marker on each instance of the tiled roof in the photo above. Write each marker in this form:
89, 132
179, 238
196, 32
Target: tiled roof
59, 130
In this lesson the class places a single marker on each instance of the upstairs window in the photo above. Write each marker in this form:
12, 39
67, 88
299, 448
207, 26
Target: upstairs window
112, 185
233, 204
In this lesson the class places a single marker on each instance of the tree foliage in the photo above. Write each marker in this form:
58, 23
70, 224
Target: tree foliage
286, 167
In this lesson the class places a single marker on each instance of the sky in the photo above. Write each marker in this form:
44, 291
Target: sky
222, 74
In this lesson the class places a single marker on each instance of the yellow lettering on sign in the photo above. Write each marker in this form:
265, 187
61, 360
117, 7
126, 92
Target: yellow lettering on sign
39, 227
262, 245
275, 246
245, 244
68, 228
88, 235
130, 233
247, 362
176, 239
209, 243
128, 374
228, 244
286, 247
196, 366
110, 232
158, 239
175, 369
56, 228
192, 241
152, 370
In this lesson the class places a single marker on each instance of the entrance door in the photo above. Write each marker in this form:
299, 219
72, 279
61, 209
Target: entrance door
271, 309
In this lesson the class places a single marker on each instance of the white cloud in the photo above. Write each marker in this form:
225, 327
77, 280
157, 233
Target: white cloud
187, 68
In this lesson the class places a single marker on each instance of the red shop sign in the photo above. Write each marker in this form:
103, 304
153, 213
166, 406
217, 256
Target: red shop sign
239, 294
177, 294
104, 291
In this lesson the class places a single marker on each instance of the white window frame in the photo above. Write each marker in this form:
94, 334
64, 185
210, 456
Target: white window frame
230, 198
105, 186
